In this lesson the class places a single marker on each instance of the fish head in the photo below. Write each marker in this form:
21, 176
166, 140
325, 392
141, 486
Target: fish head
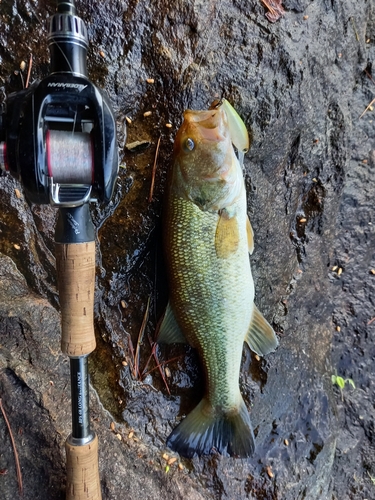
206, 170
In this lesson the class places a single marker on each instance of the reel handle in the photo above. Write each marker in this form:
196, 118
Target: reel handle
82, 468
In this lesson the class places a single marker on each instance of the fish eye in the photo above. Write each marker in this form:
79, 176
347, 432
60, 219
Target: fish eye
189, 144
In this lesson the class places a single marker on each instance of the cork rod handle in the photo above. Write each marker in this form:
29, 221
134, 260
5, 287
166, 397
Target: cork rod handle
82, 470
75, 263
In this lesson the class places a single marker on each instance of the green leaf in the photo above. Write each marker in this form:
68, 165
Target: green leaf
167, 468
350, 381
340, 382
333, 378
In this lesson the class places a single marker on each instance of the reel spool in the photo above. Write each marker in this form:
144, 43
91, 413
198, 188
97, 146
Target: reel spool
70, 165
70, 157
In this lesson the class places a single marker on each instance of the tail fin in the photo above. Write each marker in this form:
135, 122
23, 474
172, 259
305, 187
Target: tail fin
202, 432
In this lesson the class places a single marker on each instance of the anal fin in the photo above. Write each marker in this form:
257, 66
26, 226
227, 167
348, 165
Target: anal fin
260, 336
170, 332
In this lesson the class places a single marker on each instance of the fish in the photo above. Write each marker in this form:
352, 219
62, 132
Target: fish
207, 238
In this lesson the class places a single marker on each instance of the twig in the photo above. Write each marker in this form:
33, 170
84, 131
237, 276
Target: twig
371, 321
153, 344
131, 348
275, 10
140, 336
355, 31
18, 468
368, 74
154, 171
162, 363
154, 354
368, 107
373, 101
29, 71
159, 365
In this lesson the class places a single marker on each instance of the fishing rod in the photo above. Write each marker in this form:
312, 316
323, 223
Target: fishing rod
58, 137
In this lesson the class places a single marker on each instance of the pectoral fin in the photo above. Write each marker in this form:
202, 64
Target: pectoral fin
227, 237
250, 236
260, 337
170, 332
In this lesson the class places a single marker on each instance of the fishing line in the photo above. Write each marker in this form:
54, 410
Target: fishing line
209, 37
64, 56
210, 33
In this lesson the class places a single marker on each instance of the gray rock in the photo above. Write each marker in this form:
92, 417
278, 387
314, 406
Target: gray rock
300, 86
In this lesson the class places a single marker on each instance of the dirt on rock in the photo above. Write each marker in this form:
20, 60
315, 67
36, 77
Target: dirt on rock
301, 85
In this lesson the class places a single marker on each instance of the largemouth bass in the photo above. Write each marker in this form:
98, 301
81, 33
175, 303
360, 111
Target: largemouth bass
207, 240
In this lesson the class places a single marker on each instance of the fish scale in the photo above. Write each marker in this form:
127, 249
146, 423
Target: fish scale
211, 297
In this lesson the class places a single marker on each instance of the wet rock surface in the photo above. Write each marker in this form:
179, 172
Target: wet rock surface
300, 85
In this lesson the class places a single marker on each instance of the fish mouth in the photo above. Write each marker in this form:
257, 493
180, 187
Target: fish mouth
208, 125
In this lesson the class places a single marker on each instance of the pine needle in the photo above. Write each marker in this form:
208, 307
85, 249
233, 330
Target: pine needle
18, 468
368, 107
159, 366
162, 363
154, 171
140, 337
373, 101
29, 71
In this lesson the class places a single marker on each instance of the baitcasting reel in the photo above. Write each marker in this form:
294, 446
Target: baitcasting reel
59, 135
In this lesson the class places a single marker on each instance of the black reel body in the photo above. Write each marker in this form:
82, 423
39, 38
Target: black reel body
70, 104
